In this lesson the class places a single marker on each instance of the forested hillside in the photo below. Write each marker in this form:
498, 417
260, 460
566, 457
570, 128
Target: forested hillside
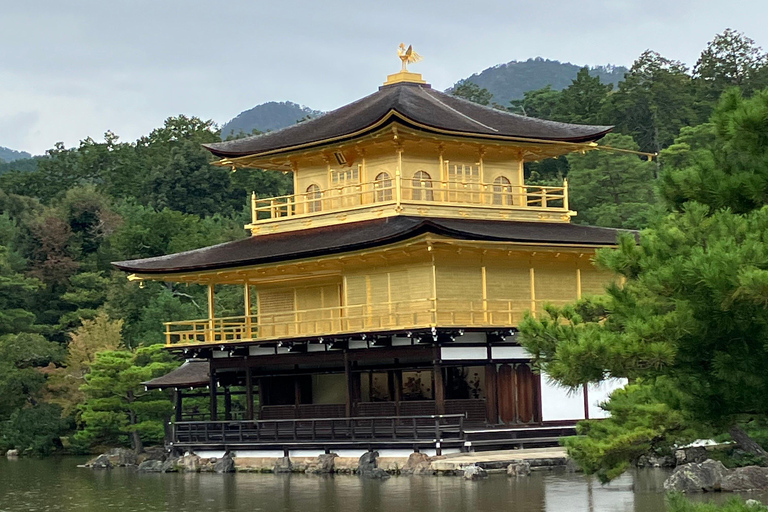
9, 155
65, 216
267, 117
507, 82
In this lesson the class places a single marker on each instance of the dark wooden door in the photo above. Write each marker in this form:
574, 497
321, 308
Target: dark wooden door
526, 395
507, 395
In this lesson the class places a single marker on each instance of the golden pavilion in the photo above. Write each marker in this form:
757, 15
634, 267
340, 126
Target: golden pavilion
382, 297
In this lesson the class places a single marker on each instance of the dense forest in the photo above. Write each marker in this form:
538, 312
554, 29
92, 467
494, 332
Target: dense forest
77, 338
510, 81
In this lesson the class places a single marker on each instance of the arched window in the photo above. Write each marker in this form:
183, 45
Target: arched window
502, 191
382, 187
314, 203
422, 187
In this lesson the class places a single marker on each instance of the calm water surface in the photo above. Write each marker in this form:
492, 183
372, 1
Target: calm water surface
56, 484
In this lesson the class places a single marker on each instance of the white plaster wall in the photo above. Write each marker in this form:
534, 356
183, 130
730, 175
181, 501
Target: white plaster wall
599, 393
558, 403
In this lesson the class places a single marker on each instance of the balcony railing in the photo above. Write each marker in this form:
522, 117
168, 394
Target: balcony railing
333, 321
398, 192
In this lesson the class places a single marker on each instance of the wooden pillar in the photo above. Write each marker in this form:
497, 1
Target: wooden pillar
297, 391
262, 395
227, 404
491, 394
348, 380
211, 313
398, 384
214, 406
439, 382
178, 405
249, 393
247, 308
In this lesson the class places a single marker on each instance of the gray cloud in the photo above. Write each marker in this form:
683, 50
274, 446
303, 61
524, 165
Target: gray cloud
125, 65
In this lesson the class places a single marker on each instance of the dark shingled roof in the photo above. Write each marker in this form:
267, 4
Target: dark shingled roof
194, 373
364, 234
418, 103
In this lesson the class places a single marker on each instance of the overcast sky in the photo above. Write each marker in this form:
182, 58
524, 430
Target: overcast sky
76, 68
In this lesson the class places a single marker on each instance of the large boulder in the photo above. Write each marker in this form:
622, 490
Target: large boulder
324, 464
367, 462
283, 465
520, 468
692, 454
100, 462
474, 472
122, 457
749, 478
152, 453
12, 454
170, 465
151, 466
190, 463
704, 477
418, 464
226, 464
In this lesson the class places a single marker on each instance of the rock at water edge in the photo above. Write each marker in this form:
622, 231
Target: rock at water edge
100, 462
151, 466
522, 468
749, 478
704, 477
12, 454
226, 464
418, 464
283, 465
474, 472
324, 464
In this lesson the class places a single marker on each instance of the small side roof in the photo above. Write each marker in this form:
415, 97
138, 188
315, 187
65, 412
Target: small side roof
413, 104
321, 241
194, 373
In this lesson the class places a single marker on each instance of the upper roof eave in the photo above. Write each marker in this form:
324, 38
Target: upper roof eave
416, 105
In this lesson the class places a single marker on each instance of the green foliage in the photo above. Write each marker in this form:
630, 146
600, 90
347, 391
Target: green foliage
613, 189
643, 419
679, 503
725, 164
117, 407
472, 92
34, 430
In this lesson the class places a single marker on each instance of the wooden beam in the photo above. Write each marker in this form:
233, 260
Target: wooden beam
439, 383
214, 405
178, 405
248, 394
211, 313
491, 395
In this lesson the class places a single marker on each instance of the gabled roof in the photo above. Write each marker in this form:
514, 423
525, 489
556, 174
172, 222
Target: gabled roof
416, 105
340, 238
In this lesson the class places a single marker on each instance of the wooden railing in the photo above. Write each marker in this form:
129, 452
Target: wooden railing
430, 429
414, 314
398, 191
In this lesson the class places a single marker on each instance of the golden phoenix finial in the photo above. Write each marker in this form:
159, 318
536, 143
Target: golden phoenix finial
407, 56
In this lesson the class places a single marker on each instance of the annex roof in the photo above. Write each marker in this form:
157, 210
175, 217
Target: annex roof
340, 238
194, 373
415, 105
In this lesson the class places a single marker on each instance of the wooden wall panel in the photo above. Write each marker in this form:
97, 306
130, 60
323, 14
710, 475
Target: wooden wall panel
526, 395
594, 281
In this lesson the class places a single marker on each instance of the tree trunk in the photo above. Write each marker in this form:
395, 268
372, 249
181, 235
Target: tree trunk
746, 443
138, 446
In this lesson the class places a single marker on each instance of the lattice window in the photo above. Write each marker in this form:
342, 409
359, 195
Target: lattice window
383, 187
341, 178
502, 191
422, 187
276, 301
314, 199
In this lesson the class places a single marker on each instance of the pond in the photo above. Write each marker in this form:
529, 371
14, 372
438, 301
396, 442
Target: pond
56, 484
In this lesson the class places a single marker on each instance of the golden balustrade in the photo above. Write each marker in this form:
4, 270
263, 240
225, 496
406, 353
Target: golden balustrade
403, 191
351, 319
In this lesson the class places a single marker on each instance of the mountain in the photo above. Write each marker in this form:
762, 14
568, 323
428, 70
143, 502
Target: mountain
509, 81
9, 155
267, 117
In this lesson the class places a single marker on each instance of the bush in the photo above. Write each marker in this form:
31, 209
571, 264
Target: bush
679, 503
34, 430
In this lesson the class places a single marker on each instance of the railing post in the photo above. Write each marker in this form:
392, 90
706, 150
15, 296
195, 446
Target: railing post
254, 213
211, 314
565, 194
398, 189
543, 197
